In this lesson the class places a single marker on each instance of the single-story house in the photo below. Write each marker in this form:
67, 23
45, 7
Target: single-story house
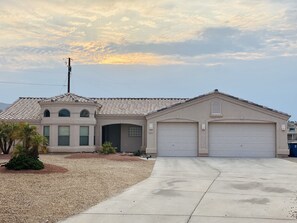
214, 124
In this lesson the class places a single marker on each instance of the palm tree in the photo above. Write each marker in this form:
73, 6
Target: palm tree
8, 135
31, 139
26, 134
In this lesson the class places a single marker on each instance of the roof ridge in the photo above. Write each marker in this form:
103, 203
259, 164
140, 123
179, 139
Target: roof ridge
140, 98
32, 97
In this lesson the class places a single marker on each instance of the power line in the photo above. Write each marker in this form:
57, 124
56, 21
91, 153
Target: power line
27, 83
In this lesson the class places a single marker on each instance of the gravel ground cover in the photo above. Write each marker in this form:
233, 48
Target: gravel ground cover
50, 197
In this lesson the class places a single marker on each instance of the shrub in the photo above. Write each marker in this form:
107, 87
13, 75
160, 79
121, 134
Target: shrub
43, 149
137, 153
24, 162
107, 148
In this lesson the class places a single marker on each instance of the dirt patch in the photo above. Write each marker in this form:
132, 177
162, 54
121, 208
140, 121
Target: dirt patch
115, 157
48, 168
31, 198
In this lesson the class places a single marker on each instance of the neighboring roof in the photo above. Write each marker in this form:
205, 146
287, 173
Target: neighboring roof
23, 109
68, 97
216, 91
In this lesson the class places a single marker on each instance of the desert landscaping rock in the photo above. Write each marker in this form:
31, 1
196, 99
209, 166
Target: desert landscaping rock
52, 197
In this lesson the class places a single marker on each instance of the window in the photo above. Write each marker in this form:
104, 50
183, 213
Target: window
84, 136
64, 113
85, 113
46, 133
134, 131
46, 113
216, 108
64, 136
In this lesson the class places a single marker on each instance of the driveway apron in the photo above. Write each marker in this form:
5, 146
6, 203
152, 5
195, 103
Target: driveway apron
205, 190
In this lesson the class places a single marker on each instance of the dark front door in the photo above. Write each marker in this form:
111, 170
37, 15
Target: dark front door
112, 133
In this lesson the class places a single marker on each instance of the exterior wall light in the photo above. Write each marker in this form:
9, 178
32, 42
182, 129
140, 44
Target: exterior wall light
151, 126
203, 127
283, 127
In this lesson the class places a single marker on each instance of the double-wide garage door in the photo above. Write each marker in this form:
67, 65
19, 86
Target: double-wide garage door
177, 139
241, 140
225, 139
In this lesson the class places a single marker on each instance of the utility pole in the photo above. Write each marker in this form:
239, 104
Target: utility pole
69, 73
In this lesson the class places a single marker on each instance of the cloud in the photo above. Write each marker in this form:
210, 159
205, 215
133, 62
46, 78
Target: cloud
209, 41
165, 31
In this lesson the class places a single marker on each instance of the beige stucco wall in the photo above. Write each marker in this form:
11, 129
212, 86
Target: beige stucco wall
233, 111
129, 144
109, 120
74, 122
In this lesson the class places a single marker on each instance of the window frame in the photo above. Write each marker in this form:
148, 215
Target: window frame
45, 135
62, 115
60, 139
87, 115
135, 131
84, 138
46, 113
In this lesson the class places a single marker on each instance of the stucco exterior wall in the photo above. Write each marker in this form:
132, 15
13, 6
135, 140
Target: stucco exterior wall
129, 144
109, 120
233, 111
74, 122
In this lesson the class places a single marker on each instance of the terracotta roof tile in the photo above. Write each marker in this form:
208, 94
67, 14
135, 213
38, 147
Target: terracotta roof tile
23, 109
134, 106
27, 108
68, 97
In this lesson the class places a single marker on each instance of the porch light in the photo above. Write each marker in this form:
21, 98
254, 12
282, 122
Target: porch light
151, 126
283, 127
203, 126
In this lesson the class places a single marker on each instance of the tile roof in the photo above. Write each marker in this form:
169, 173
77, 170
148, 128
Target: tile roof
68, 97
27, 108
23, 109
134, 106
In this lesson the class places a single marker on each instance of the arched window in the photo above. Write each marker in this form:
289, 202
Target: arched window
84, 113
46, 113
64, 113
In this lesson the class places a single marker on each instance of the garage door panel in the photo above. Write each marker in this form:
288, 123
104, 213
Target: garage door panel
177, 139
241, 140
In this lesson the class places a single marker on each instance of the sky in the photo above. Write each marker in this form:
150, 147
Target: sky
164, 48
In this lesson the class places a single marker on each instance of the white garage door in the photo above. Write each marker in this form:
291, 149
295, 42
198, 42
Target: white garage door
177, 139
242, 140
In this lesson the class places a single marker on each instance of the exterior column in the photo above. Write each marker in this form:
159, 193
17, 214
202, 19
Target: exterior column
91, 135
142, 137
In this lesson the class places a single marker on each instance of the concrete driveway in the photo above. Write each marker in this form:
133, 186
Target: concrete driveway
205, 190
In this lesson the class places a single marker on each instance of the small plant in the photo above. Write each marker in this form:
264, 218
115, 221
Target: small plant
24, 162
107, 148
137, 153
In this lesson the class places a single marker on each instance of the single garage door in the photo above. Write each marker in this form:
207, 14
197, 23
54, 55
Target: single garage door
177, 139
241, 140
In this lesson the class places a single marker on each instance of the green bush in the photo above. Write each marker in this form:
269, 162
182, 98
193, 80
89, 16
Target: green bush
107, 148
24, 162
137, 153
